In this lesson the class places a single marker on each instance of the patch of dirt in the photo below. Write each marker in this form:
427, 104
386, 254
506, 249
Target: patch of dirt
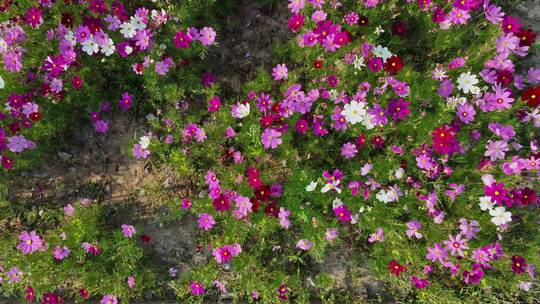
351, 276
246, 42
529, 14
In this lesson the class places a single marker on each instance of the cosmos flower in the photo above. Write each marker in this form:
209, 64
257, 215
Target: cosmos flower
128, 230
30, 242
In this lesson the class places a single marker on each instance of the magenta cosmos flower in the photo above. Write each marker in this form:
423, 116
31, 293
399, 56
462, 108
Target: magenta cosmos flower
343, 213
196, 288
33, 17
214, 104
206, 221
271, 138
128, 230
126, 101
30, 242
182, 40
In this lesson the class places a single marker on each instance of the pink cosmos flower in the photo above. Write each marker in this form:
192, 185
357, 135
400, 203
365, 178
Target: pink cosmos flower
30, 242
69, 210
296, 5
91, 248
14, 275
271, 139
131, 282
61, 253
101, 126
456, 245
109, 299
378, 236
206, 221
349, 150
437, 253
330, 234
283, 216
496, 149
466, 113
280, 72
139, 152
219, 285
352, 18
128, 230
19, 143
304, 244
459, 16
207, 36
412, 229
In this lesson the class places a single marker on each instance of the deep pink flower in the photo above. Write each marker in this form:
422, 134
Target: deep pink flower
33, 17
182, 40
196, 288
126, 101
343, 213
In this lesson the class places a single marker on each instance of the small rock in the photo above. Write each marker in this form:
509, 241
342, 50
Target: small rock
40, 174
64, 156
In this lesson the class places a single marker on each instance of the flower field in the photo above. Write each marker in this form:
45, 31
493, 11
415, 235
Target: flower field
269, 151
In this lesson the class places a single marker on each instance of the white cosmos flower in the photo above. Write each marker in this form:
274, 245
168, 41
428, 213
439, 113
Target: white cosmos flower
2, 83
467, 83
354, 112
359, 62
366, 121
241, 110
382, 52
383, 197
488, 179
486, 203
137, 23
144, 141
108, 49
500, 216
71, 38
379, 30
311, 187
3, 45
399, 173
128, 30
336, 202
90, 47
331, 186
